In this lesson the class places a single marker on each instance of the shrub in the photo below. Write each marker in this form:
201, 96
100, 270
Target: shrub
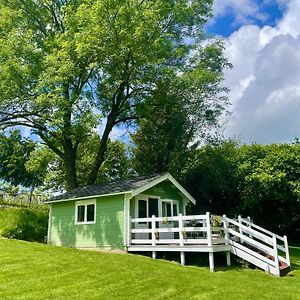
29, 224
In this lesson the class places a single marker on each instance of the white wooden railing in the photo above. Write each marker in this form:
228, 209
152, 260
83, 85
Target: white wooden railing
251, 242
257, 245
185, 230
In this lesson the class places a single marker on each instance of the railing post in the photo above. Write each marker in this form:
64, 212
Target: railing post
153, 226
129, 232
209, 243
180, 224
181, 238
287, 253
226, 233
249, 225
240, 229
209, 233
276, 259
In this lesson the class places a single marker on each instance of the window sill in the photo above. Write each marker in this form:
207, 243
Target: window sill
85, 223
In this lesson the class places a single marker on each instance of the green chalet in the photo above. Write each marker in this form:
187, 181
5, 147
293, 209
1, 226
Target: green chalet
98, 216
149, 214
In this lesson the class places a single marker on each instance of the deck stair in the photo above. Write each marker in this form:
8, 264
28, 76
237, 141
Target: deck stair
202, 233
258, 246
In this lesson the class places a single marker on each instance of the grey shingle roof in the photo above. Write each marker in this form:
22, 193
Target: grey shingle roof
107, 188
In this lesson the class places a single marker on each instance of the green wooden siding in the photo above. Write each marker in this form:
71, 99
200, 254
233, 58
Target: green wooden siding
107, 232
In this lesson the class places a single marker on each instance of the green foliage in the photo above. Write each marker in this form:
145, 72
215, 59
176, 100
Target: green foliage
181, 112
210, 176
28, 224
252, 180
24, 266
66, 65
15, 153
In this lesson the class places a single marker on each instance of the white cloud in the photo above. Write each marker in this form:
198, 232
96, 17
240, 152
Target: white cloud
242, 10
265, 80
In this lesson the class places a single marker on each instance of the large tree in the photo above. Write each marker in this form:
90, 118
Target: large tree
182, 113
67, 65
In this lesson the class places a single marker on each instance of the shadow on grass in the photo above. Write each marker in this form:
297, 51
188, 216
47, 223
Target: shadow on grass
201, 260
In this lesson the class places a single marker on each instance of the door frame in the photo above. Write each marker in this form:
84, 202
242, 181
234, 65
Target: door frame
160, 201
146, 198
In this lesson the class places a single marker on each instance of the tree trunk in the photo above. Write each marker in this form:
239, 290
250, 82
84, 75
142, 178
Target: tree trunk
102, 149
70, 169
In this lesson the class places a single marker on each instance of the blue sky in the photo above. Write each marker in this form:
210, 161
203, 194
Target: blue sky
262, 41
225, 23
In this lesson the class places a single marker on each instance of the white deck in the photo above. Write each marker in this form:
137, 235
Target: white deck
210, 234
177, 248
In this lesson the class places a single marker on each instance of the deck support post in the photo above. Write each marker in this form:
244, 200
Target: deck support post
153, 254
211, 262
182, 258
228, 259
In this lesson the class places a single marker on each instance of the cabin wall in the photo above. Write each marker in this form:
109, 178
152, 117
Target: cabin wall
107, 232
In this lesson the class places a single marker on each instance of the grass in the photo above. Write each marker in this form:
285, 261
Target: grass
37, 271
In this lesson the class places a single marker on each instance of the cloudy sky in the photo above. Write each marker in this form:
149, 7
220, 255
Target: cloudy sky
262, 39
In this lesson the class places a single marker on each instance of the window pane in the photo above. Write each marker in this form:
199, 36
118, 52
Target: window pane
90, 213
153, 207
142, 209
175, 211
169, 210
164, 209
80, 213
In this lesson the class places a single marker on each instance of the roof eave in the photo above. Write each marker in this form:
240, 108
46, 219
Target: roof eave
86, 197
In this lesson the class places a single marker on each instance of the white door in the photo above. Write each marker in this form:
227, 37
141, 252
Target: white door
146, 207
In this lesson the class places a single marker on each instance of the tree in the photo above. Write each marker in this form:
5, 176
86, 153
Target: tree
15, 153
260, 181
182, 112
211, 177
67, 65
114, 167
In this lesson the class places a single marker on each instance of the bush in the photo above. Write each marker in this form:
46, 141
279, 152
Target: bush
29, 224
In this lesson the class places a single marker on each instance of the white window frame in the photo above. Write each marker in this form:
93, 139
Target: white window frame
84, 203
146, 198
176, 202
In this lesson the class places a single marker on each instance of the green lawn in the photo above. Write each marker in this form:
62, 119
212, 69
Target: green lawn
36, 271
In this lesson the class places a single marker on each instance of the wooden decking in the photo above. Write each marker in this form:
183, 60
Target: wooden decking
178, 248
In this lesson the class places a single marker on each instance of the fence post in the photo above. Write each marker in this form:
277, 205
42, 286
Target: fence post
181, 238
287, 253
129, 232
209, 243
249, 225
153, 226
240, 229
276, 259
225, 223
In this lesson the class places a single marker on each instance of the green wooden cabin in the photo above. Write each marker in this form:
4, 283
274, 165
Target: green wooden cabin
98, 216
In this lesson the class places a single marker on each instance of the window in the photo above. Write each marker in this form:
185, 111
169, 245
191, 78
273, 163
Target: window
85, 212
169, 208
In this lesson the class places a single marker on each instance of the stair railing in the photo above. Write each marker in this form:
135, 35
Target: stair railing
281, 241
257, 244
